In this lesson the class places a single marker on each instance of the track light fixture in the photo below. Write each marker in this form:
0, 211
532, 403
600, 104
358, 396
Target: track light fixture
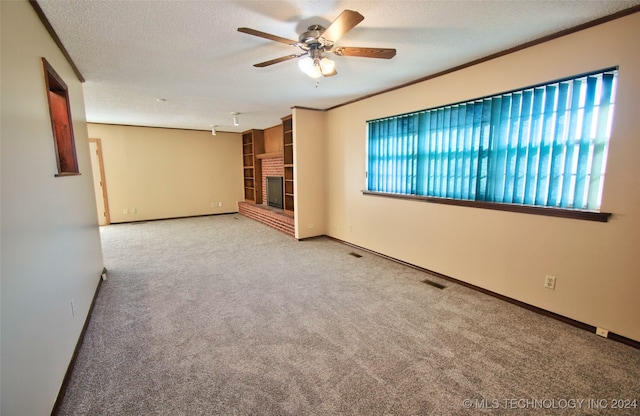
235, 119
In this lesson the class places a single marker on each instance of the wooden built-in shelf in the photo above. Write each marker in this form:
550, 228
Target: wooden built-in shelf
269, 155
252, 146
287, 133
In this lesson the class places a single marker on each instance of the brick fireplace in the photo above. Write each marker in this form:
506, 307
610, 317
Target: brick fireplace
276, 218
270, 167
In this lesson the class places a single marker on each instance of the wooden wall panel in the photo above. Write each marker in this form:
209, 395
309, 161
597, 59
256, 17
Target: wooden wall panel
273, 139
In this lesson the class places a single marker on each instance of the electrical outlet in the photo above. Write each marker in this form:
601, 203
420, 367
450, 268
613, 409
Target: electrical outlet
219, 204
134, 210
602, 332
550, 282
125, 211
73, 307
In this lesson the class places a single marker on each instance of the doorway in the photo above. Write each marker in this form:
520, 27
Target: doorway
99, 183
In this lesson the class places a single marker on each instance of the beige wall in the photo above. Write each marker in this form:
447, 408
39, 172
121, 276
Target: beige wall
169, 173
50, 247
597, 265
309, 178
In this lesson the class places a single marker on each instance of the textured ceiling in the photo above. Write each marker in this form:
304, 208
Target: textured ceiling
189, 53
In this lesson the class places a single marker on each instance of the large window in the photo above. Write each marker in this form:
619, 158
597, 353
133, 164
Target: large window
540, 146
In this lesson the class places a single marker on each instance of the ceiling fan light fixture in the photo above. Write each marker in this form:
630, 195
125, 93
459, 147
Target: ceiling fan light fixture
309, 66
327, 66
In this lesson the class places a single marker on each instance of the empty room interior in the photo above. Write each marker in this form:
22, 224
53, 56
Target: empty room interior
320, 207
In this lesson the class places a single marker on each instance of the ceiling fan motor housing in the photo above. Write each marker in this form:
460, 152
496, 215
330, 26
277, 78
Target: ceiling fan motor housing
311, 39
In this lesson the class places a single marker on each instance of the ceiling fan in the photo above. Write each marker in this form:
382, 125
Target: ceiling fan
317, 41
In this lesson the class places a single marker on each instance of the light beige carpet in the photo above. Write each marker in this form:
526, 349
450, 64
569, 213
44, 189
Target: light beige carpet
222, 315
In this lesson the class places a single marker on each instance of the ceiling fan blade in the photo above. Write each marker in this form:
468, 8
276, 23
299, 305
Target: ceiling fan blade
264, 35
347, 20
383, 53
277, 60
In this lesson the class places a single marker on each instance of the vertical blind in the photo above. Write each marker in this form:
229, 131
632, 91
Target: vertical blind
545, 145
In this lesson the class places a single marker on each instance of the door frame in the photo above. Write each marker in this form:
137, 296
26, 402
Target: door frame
103, 181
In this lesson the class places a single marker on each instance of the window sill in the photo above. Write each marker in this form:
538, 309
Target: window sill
526, 209
58, 175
